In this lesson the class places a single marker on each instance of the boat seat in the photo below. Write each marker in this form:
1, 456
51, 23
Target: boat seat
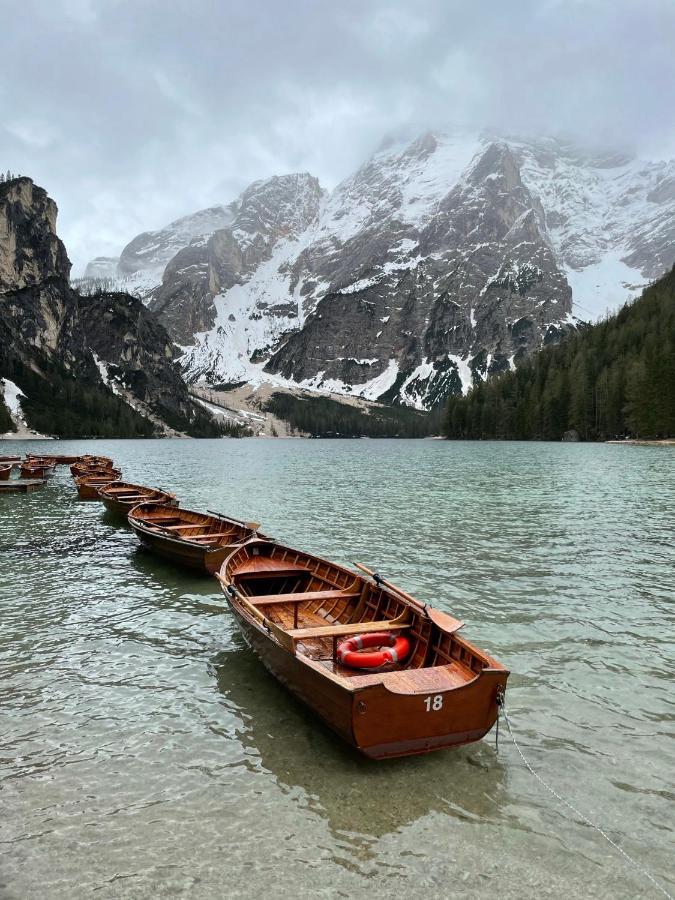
306, 597
181, 527
209, 537
343, 630
273, 573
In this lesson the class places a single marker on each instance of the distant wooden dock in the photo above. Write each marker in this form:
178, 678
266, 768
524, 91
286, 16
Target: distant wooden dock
21, 485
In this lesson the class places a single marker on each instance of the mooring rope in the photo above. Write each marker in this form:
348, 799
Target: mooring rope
629, 859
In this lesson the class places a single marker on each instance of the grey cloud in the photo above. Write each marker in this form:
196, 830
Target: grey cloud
133, 113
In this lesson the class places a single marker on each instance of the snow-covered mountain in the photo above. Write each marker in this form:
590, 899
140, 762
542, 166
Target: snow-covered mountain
438, 262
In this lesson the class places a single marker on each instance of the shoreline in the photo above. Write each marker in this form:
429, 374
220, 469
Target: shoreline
645, 442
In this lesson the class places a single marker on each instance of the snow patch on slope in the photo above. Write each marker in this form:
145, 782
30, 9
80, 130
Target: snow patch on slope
12, 394
601, 287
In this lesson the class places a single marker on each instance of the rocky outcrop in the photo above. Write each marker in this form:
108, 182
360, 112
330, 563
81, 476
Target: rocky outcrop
105, 346
30, 251
268, 212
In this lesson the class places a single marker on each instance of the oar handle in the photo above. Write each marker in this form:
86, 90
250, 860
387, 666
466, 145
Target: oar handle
392, 587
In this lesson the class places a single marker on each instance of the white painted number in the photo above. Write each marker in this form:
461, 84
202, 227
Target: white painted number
434, 703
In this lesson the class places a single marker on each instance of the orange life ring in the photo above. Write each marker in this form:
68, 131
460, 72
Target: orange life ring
396, 649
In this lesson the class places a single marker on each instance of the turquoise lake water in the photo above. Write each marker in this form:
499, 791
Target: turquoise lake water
147, 753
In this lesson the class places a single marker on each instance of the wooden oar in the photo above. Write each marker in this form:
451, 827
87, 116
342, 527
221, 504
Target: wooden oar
392, 587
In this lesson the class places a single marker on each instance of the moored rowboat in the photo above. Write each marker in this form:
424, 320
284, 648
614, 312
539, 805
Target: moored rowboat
121, 496
5, 471
59, 459
294, 609
88, 485
86, 463
198, 540
9, 459
39, 470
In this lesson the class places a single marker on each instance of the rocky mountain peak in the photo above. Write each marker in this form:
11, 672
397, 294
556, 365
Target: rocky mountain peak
281, 205
30, 251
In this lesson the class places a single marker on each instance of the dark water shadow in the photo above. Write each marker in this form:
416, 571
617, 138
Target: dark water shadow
352, 793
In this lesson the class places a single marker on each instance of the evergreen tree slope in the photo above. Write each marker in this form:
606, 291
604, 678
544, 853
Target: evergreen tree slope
615, 378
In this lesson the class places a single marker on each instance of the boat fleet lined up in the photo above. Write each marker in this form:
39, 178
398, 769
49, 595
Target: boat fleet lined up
389, 674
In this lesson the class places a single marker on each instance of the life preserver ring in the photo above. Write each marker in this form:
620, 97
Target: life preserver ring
392, 650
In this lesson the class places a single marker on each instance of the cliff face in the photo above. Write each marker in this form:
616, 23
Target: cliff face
106, 346
268, 213
30, 251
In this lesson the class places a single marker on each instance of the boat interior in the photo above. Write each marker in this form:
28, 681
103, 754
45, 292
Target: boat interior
311, 605
133, 494
98, 477
191, 526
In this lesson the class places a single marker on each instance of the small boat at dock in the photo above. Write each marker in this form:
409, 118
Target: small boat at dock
22, 485
37, 470
5, 471
86, 463
121, 496
309, 619
199, 540
88, 485
9, 459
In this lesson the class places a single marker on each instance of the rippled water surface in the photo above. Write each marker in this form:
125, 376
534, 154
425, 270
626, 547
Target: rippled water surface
147, 753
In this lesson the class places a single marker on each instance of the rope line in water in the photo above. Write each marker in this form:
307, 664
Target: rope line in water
629, 859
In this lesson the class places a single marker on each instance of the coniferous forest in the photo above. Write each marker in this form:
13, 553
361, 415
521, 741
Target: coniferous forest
612, 379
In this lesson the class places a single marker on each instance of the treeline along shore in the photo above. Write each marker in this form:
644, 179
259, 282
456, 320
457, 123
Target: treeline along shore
612, 379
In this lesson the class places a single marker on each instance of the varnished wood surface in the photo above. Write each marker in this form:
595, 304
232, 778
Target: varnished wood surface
293, 608
198, 540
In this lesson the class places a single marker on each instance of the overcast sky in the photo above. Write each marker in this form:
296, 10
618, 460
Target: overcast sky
133, 112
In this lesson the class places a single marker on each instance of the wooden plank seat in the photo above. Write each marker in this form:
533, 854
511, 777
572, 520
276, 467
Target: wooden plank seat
344, 630
274, 573
182, 527
306, 597
208, 537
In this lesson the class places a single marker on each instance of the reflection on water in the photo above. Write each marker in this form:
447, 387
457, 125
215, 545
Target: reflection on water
354, 794
146, 752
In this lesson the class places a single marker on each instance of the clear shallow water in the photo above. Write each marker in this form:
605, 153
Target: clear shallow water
146, 752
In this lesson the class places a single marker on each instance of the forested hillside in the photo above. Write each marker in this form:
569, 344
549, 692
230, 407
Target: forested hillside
614, 378
325, 417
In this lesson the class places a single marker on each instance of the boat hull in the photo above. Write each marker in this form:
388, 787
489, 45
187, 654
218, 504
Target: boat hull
121, 510
183, 553
378, 721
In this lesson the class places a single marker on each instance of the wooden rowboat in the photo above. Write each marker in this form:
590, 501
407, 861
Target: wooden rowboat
9, 459
86, 463
41, 470
22, 485
121, 496
58, 459
88, 485
198, 540
294, 608
5, 471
